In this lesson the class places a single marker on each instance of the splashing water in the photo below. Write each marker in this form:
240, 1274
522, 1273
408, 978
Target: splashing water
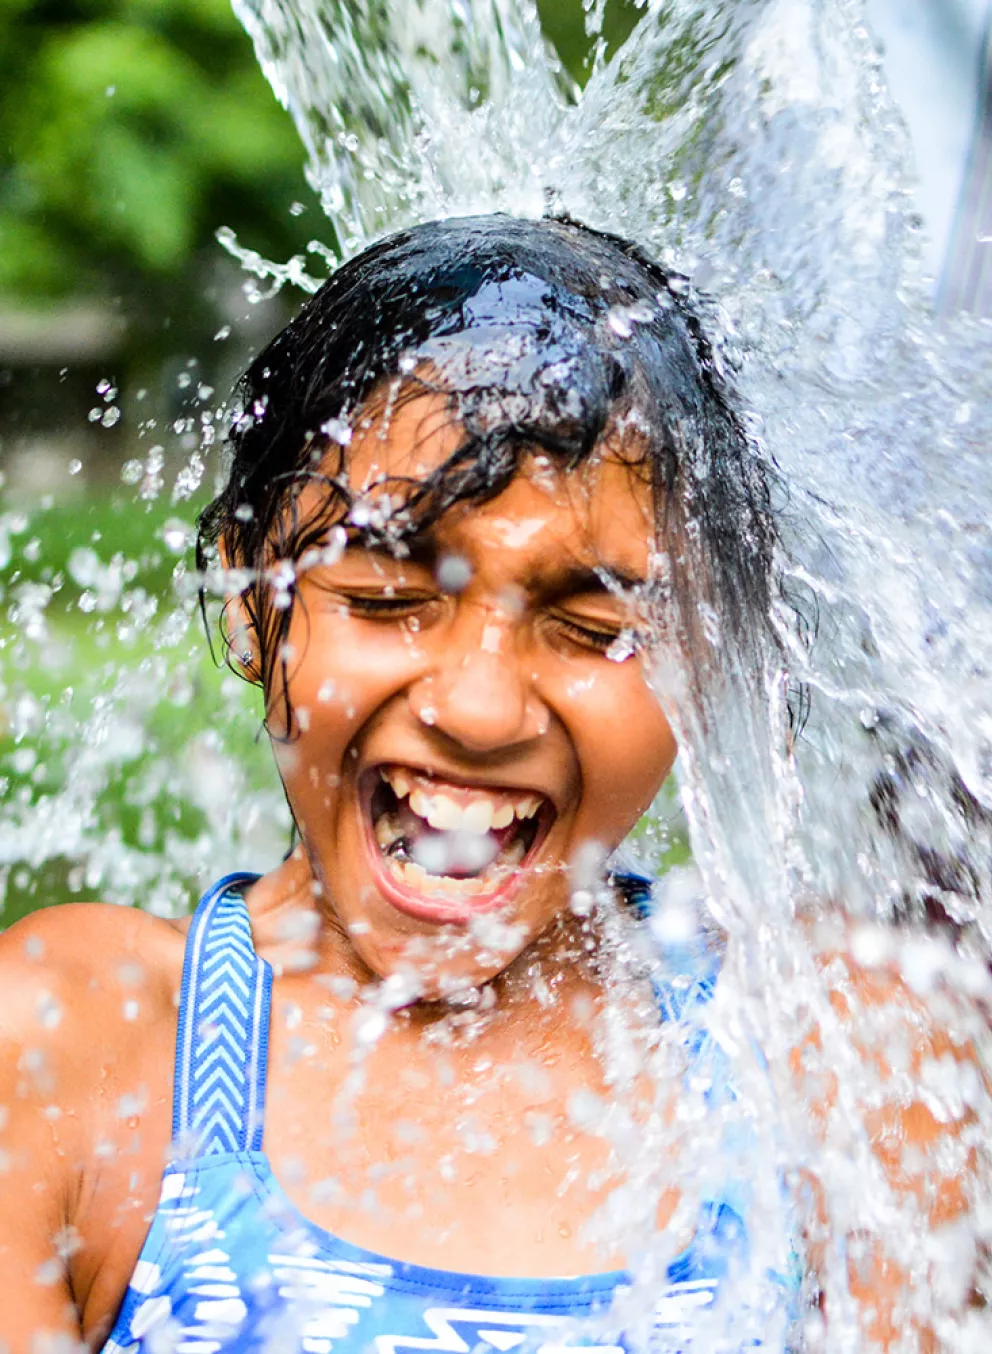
752, 148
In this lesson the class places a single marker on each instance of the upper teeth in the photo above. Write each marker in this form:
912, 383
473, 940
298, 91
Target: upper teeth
479, 815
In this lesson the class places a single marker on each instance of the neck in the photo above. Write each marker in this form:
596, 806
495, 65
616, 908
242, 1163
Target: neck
299, 934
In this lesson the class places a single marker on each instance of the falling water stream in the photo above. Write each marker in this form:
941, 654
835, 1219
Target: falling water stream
750, 146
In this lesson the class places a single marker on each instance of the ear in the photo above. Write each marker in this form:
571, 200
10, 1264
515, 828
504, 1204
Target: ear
238, 630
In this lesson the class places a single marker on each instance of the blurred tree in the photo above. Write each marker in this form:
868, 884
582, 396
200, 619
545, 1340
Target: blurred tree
129, 130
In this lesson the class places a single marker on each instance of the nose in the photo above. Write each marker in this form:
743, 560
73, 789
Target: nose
480, 693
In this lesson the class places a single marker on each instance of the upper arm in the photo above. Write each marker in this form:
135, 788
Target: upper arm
37, 1118
908, 1091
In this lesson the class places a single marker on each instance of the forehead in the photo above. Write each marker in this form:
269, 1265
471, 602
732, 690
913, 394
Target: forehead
600, 512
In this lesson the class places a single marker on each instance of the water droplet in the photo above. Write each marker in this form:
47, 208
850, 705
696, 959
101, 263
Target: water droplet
131, 1104
369, 1025
454, 573
340, 431
48, 1272
622, 319
623, 647
582, 902
48, 1011
177, 535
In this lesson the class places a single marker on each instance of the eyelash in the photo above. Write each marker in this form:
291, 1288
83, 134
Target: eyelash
385, 607
600, 640
398, 608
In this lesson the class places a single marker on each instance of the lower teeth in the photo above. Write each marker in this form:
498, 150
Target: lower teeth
387, 832
410, 873
392, 844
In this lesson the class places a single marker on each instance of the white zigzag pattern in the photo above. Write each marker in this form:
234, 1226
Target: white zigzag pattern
673, 1319
327, 1296
223, 1015
447, 1340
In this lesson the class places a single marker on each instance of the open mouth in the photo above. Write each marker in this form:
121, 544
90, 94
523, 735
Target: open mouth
459, 847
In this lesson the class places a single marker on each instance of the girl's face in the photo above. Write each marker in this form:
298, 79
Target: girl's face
465, 737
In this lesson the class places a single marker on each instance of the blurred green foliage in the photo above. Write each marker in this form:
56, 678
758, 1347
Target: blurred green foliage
131, 129
110, 698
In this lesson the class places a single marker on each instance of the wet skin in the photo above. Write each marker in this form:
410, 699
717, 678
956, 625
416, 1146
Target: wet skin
503, 686
445, 1144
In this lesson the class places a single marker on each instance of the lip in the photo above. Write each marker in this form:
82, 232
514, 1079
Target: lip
446, 911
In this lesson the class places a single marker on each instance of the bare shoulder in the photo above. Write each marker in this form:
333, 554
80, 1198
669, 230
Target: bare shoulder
920, 1045
76, 939
68, 973
87, 1017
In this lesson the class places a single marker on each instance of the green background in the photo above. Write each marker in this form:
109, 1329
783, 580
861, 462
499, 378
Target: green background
130, 131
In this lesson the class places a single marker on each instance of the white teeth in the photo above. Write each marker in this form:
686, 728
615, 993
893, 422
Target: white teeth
397, 780
503, 816
445, 814
478, 816
387, 831
513, 854
414, 877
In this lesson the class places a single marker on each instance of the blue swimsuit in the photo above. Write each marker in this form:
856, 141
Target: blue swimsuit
229, 1264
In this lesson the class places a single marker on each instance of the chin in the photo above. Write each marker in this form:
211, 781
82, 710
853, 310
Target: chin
438, 962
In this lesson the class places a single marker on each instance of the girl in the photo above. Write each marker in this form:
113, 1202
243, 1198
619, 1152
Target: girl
477, 486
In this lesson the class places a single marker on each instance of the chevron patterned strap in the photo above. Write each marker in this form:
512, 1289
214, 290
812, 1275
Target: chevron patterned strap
222, 1043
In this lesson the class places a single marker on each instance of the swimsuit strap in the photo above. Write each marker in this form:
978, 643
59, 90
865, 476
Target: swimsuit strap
222, 1041
685, 978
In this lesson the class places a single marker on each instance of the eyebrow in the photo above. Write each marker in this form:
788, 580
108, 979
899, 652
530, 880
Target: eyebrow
567, 579
574, 579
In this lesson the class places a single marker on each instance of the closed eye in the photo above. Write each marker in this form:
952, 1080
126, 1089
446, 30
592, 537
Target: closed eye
379, 605
587, 636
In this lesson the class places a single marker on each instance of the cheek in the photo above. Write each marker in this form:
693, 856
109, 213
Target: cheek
340, 674
626, 750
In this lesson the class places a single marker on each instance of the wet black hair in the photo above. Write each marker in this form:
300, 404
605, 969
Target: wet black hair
937, 832
544, 336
